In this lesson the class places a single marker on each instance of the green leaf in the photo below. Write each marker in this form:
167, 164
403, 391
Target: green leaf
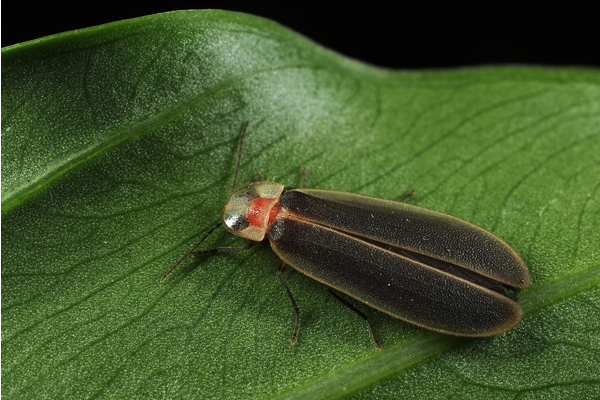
119, 146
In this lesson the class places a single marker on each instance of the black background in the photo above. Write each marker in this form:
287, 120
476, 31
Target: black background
423, 35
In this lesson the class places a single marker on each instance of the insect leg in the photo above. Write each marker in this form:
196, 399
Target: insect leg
225, 249
360, 314
408, 195
296, 309
303, 173
218, 249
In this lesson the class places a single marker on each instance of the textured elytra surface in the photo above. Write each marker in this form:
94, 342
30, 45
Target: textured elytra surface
413, 228
118, 150
393, 284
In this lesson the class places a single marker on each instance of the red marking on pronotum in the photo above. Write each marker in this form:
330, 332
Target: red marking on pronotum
258, 210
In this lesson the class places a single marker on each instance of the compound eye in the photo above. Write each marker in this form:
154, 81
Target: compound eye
236, 220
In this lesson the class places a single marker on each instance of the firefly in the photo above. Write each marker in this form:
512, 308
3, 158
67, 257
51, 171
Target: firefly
421, 266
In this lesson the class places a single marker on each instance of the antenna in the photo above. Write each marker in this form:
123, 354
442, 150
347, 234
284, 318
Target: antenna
193, 250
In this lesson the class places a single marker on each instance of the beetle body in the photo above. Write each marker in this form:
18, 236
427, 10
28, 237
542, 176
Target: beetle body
421, 266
